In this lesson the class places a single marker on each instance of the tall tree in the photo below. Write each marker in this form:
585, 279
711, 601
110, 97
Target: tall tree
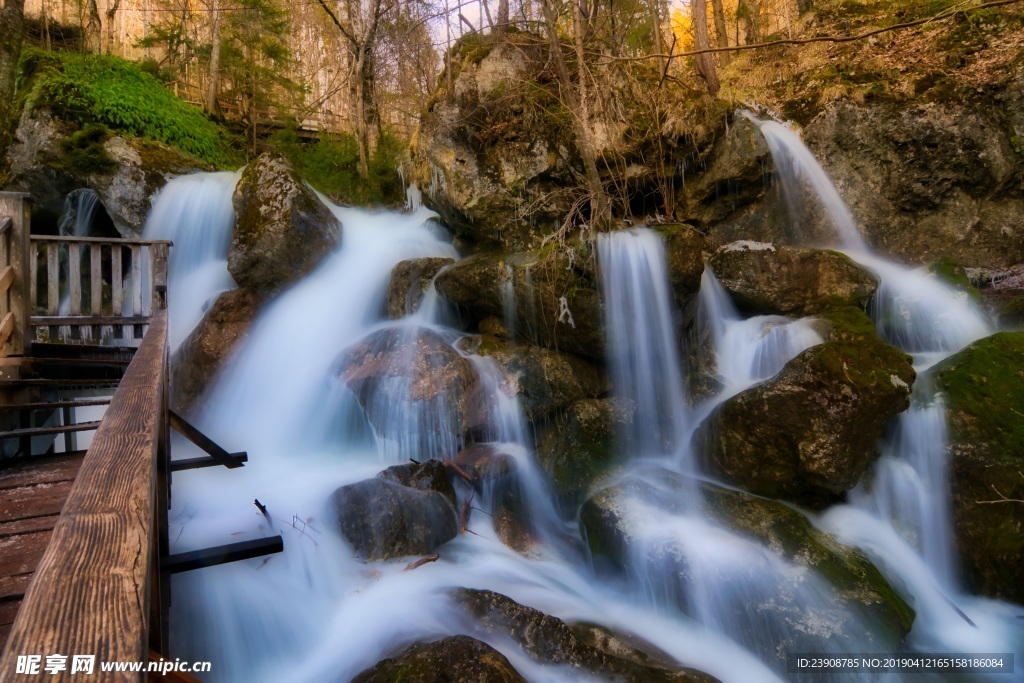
213, 86
12, 20
721, 32
701, 40
111, 13
748, 13
93, 27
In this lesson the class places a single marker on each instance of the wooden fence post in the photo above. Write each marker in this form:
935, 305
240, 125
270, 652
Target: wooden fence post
16, 205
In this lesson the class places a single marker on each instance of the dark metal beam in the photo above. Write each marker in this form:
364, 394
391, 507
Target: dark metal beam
221, 554
206, 461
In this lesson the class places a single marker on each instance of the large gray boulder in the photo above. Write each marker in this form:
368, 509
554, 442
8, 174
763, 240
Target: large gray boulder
282, 229
457, 659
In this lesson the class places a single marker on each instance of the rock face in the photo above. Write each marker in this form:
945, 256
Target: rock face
282, 229
202, 355
140, 169
552, 303
495, 475
983, 387
810, 432
791, 280
861, 605
458, 659
927, 181
416, 388
581, 443
409, 280
408, 510
551, 641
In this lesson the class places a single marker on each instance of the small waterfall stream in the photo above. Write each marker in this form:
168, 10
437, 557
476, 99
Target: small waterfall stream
709, 596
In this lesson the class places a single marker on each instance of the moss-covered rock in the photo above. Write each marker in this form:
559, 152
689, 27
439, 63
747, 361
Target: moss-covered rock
550, 640
282, 229
204, 353
409, 280
983, 388
791, 280
408, 510
810, 432
554, 304
458, 659
860, 596
580, 444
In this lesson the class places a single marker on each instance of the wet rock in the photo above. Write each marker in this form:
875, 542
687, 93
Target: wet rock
761, 579
684, 257
458, 659
416, 389
409, 280
282, 228
810, 432
928, 180
495, 477
549, 640
204, 353
581, 444
544, 381
983, 388
554, 304
422, 476
791, 280
1002, 291
383, 519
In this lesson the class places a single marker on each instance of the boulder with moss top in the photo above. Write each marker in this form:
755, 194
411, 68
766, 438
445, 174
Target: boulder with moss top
409, 280
282, 229
457, 659
786, 280
810, 432
983, 389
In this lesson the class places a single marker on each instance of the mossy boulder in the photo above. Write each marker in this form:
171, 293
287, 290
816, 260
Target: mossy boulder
204, 353
282, 228
405, 510
458, 659
551, 641
810, 432
407, 378
983, 388
580, 444
409, 280
786, 280
553, 302
785, 553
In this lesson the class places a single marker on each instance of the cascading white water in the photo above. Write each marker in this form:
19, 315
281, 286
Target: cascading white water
79, 210
196, 214
900, 515
642, 340
748, 350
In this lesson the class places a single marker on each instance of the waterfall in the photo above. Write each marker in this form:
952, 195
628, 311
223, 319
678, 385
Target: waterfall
642, 339
195, 213
79, 210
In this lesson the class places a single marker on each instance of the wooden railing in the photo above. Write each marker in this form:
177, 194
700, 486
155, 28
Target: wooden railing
98, 588
87, 289
14, 276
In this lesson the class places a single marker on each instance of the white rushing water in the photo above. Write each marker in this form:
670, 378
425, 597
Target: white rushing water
709, 597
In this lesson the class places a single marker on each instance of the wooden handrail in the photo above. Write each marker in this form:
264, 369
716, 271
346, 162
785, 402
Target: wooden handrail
92, 591
97, 240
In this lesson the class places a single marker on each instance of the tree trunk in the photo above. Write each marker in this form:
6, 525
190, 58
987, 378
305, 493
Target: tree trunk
705, 62
111, 13
12, 18
659, 47
721, 32
502, 24
367, 119
749, 12
94, 28
214, 86
599, 207
804, 6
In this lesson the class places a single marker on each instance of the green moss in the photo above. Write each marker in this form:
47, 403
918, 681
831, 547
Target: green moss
952, 273
84, 153
984, 389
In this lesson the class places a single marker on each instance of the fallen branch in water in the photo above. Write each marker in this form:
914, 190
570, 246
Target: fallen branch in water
422, 561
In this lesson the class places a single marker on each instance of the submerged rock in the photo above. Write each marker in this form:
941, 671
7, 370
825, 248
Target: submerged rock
282, 228
791, 280
458, 659
414, 387
204, 353
405, 510
754, 584
983, 389
581, 444
549, 640
810, 432
409, 280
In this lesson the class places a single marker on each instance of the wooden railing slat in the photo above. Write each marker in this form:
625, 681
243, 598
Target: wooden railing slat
75, 278
116, 284
52, 280
94, 240
6, 279
91, 590
95, 280
136, 280
6, 328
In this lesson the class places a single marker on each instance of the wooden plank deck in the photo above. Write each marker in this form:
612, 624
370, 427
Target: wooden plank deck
31, 497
